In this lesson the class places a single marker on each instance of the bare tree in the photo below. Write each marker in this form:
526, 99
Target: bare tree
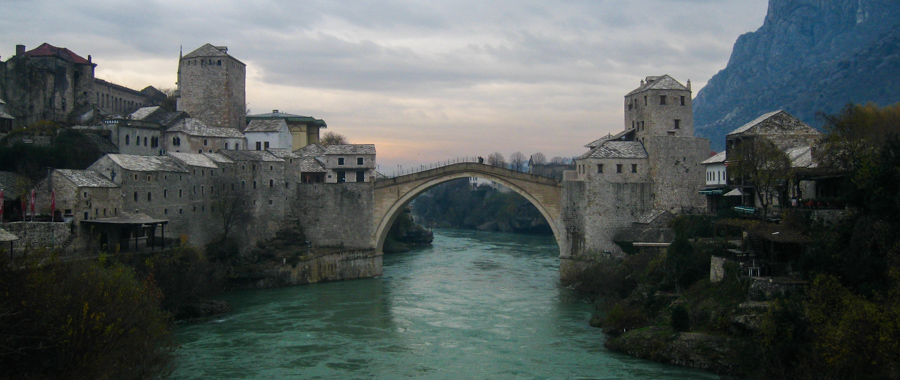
558, 160
496, 159
331, 138
232, 204
538, 159
517, 161
759, 163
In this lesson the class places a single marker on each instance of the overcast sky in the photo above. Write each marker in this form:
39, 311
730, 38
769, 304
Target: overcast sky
423, 80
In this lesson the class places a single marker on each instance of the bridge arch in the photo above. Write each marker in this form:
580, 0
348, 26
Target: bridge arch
394, 194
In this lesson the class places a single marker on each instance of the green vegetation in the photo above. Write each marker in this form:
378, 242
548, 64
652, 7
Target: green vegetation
80, 320
68, 150
456, 205
846, 322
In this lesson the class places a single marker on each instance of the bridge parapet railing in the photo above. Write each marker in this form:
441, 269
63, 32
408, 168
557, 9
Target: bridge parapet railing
402, 171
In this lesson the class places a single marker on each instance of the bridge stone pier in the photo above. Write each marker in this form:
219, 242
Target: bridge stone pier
393, 194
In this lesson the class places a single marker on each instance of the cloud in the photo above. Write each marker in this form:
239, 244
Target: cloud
422, 79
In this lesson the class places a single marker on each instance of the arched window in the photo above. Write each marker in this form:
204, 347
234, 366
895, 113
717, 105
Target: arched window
254, 184
127, 139
200, 151
195, 189
205, 142
165, 193
243, 185
135, 196
149, 196
271, 183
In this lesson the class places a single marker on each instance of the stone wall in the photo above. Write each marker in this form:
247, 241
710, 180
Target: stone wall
336, 215
38, 234
313, 268
213, 90
716, 268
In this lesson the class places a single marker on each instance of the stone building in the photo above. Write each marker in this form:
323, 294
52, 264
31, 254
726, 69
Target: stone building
80, 195
268, 134
211, 87
6, 120
56, 84
303, 130
192, 135
651, 167
349, 163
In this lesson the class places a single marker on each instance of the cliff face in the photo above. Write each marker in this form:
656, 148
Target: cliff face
809, 56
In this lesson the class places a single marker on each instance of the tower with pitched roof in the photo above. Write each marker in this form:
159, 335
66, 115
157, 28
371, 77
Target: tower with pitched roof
211, 87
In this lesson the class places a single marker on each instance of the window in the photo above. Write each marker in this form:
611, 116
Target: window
682, 100
618, 168
634, 168
599, 168
243, 185
202, 189
359, 160
226, 146
259, 145
145, 141
645, 100
195, 189
662, 100
271, 183
205, 142
149, 197
148, 178
266, 145
237, 146
340, 160
254, 184
199, 151
179, 193
677, 124
270, 201
127, 139
271, 167
135, 196
360, 176
165, 193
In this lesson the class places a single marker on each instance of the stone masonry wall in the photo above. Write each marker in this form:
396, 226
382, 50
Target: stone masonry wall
336, 215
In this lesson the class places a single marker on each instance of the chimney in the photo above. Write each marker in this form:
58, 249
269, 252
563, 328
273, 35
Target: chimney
223, 49
689, 85
20, 49
274, 111
89, 58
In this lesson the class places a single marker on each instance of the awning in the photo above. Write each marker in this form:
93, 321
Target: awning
734, 193
712, 191
7, 236
745, 209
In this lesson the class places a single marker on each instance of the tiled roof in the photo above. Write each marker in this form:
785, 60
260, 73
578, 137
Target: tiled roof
717, 159
617, 149
47, 50
311, 150
250, 155
311, 165
618, 136
4, 115
288, 117
86, 178
195, 127
350, 149
218, 158
664, 82
13, 184
773, 123
147, 163
282, 153
194, 159
102, 144
143, 112
167, 119
269, 125
208, 50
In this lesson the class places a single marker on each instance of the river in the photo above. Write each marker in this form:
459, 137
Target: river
473, 305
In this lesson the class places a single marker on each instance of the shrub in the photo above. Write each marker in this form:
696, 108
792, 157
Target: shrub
680, 320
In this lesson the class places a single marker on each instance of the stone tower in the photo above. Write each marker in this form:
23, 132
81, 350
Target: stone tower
660, 115
211, 87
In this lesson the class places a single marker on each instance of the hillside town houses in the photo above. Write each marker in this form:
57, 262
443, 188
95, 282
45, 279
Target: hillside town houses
167, 173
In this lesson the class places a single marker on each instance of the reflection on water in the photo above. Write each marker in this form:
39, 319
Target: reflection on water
473, 305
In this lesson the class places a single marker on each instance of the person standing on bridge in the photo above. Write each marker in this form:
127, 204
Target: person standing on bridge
480, 160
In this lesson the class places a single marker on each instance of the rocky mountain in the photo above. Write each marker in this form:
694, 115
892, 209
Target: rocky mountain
809, 57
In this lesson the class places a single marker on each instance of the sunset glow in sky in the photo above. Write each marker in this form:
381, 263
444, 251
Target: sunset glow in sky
424, 81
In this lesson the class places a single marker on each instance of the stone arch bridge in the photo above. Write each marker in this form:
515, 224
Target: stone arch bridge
393, 194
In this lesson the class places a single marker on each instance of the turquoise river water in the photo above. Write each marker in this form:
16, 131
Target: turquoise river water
474, 305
